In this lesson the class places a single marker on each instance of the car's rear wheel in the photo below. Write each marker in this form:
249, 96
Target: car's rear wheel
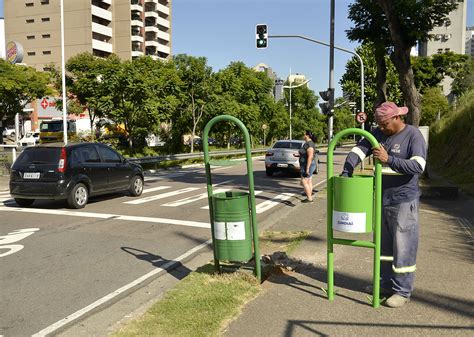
136, 186
78, 197
24, 202
269, 172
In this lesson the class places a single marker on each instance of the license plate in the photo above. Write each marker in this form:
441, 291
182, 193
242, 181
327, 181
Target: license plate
282, 165
31, 175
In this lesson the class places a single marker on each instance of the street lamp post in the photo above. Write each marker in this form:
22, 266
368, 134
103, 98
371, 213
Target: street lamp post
362, 89
63, 75
264, 128
292, 87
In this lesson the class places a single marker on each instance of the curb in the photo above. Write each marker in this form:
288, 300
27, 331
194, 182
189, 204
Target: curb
439, 192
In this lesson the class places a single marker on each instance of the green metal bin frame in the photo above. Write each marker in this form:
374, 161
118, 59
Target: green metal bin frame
331, 240
208, 163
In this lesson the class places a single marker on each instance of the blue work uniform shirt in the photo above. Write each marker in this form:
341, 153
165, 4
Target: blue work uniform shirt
406, 161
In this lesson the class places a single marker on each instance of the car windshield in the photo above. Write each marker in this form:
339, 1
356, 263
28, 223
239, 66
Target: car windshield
52, 126
287, 145
39, 155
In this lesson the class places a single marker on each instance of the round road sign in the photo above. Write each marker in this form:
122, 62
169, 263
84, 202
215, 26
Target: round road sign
361, 117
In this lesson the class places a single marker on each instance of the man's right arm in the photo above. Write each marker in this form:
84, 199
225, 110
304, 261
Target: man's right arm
357, 154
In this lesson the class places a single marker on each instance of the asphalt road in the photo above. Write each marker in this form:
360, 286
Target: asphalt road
56, 261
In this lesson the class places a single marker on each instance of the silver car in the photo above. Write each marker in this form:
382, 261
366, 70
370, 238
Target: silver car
284, 156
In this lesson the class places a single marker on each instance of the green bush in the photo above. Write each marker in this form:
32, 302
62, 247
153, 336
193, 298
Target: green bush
451, 148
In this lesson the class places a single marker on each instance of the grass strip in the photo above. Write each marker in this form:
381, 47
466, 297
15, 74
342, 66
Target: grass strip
204, 302
199, 305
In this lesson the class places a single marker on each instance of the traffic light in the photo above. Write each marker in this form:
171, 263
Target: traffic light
262, 36
326, 107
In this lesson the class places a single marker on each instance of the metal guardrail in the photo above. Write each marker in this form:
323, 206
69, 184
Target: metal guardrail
183, 156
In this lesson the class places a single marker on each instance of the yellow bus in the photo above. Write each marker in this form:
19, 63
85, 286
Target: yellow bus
52, 131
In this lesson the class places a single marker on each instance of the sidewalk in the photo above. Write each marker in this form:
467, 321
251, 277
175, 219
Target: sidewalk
293, 303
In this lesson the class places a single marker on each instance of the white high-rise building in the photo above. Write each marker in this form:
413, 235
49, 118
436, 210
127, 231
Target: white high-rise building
470, 41
127, 28
2, 38
451, 37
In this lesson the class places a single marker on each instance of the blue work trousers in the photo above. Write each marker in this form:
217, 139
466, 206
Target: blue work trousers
399, 247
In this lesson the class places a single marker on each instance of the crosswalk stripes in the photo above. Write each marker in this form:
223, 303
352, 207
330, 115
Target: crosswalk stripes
266, 205
154, 189
193, 198
5, 196
161, 196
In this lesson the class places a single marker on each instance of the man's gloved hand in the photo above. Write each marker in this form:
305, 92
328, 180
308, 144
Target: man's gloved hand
344, 174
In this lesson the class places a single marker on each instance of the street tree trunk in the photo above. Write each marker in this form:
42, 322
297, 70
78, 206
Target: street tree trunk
401, 60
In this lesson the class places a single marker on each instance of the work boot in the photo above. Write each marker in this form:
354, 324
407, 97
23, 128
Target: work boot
396, 301
383, 291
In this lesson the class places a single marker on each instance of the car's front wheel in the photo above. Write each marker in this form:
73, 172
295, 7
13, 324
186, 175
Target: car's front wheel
269, 172
24, 202
136, 186
78, 197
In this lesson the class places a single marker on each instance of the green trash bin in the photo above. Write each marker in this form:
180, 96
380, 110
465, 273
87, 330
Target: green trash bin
353, 204
232, 226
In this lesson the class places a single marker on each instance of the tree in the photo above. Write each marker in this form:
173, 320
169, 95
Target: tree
464, 80
371, 29
394, 31
410, 21
305, 115
430, 71
19, 85
350, 81
139, 94
85, 77
196, 90
243, 93
434, 104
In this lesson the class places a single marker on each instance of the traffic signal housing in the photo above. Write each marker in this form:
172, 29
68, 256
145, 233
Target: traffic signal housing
262, 36
326, 107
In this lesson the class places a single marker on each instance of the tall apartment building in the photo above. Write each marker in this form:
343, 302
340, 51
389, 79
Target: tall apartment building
278, 82
128, 28
2, 38
449, 37
470, 41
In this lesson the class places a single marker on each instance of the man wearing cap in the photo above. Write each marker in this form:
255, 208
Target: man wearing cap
403, 156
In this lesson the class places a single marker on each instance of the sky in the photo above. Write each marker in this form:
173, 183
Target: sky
223, 31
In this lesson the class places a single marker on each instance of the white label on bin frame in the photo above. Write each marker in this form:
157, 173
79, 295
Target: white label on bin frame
348, 222
229, 230
219, 230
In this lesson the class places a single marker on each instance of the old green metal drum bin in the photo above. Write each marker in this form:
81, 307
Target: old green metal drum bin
353, 204
232, 226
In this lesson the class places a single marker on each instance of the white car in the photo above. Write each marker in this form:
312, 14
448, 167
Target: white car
30, 139
9, 132
284, 156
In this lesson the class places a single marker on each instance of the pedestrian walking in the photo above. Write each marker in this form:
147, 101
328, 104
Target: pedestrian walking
308, 164
402, 153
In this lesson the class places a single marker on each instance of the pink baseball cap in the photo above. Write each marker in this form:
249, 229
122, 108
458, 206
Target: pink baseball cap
388, 110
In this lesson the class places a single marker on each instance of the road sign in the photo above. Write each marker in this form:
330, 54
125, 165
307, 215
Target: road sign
361, 117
